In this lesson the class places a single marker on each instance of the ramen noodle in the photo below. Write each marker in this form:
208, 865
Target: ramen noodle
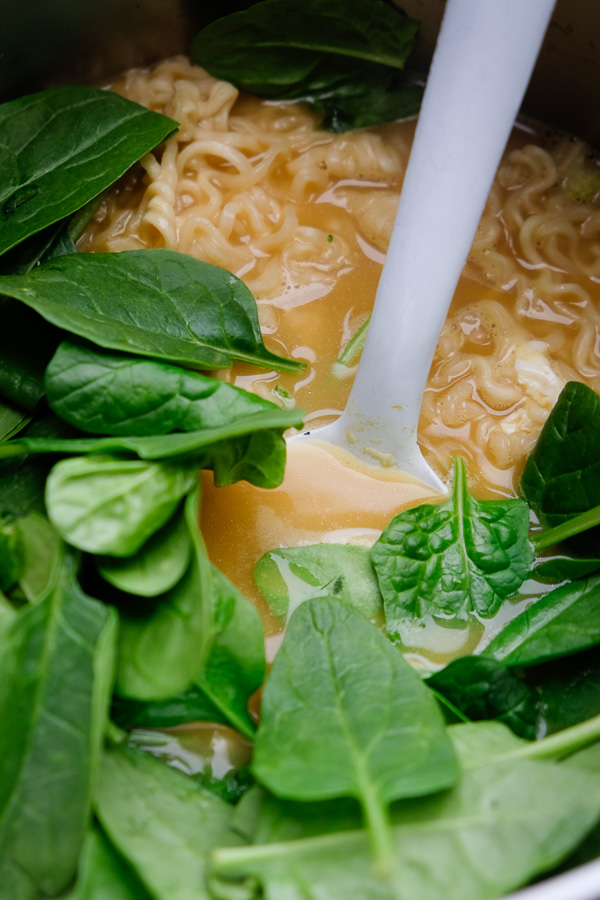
304, 216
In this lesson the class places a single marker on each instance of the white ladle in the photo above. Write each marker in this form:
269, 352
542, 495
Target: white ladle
483, 60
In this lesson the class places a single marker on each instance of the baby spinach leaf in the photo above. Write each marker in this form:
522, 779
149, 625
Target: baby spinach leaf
40, 553
156, 567
561, 477
110, 505
12, 421
161, 650
569, 691
497, 829
61, 148
47, 717
163, 823
378, 100
290, 575
459, 557
234, 666
103, 874
11, 560
355, 720
290, 49
482, 688
561, 622
126, 395
156, 303
191, 705
25, 351
251, 448
566, 568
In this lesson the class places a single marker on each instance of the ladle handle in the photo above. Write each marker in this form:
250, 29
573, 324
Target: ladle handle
482, 64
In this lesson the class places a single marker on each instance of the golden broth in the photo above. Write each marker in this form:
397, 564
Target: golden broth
303, 217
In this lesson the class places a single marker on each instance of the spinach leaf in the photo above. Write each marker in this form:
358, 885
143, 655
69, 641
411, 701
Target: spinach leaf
569, 692
126, 395
290, 575
561, 477
234, 666
355, 720
497, 829
482, 688
40, 550
561, 622
459, 557
61, 148
163, 823
103, 874
191, 705
566, 568
46, 717
162, 650
110, 505
379, 99
12, 421
251, 448
156, 567
156, 303
25, 350
290, 49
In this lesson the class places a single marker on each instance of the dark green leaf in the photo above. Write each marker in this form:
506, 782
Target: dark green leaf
569, 690
52, 730
342, 701
12, 421
25, 350
290, 575
11, 558
560, 622
40, 549
234, 666
375, 103
189, 706
482, 688
496, 830
103, 875
153, 302
459, 557
156, 567
250, 449
162, 822
110, 505
566, 568
562, 475
304, 48
161, 650
61, 148
126, 395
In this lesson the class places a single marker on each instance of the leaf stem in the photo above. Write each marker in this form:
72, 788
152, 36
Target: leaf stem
561, 744
350, 352
576, 525
378, 824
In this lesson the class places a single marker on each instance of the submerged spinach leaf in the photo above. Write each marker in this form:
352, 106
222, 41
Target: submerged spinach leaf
561, 477
459, 557
106, 393
569, 690
46, 716
162, 649
372, 104
292, 49
104, 504
156, 567
500, 826
61, 148
288, 576
156, 303
482, 688
561, 622
163, 823
566, 568
354, 718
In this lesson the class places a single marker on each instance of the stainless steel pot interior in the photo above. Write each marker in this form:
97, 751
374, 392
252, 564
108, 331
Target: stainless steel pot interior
43, 44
